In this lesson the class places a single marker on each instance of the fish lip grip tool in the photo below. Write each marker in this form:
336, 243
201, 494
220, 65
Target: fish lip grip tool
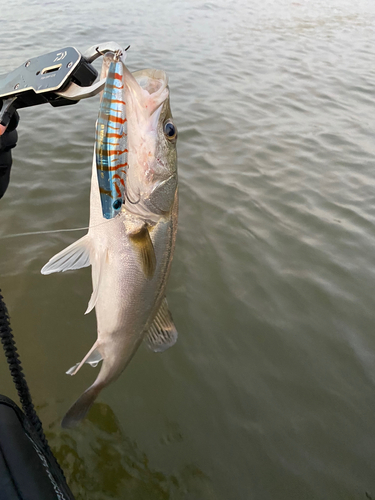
60, 77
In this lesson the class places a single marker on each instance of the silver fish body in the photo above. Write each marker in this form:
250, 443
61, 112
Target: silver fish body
131, 254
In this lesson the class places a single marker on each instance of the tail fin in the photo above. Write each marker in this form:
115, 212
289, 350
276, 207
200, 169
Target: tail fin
80, 408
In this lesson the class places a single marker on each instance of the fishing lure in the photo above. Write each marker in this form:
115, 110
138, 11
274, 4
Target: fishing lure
110, 141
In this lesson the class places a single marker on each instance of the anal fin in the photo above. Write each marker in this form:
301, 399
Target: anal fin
162, 334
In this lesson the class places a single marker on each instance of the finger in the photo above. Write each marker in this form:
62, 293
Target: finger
2, 129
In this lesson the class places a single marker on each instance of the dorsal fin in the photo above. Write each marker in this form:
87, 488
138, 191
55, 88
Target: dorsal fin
96, 282
74, 256
92, 358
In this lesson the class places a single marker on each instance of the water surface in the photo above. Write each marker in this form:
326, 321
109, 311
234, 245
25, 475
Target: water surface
269, 392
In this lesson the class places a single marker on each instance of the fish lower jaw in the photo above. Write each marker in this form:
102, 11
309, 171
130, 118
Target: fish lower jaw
140, 212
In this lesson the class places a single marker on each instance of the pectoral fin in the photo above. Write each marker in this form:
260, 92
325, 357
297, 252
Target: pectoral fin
142, 242
75, 256
162, 334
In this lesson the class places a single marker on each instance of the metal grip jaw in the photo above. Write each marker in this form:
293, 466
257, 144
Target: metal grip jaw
61, 77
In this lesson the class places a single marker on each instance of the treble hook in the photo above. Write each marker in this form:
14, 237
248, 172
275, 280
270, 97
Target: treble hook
99, 51
117, 54
129, 200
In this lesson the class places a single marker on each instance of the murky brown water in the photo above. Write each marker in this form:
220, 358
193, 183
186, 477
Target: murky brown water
269, 392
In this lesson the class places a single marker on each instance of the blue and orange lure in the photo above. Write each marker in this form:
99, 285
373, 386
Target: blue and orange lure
110, 142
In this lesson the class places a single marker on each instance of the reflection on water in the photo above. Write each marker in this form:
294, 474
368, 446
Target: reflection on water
99, 461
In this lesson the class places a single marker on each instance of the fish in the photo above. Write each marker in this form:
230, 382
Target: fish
131, 254
110, 137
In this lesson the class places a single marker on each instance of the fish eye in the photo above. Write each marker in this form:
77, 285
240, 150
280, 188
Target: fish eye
117, 204
170, 130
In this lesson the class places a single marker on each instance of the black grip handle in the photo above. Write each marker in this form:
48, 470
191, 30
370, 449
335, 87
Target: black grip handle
37, 80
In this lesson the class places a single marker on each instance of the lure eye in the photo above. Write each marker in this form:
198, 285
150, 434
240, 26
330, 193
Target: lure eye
117, 204
170, 130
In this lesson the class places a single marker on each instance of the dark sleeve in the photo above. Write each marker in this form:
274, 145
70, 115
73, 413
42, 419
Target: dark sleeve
7, 141
22, 475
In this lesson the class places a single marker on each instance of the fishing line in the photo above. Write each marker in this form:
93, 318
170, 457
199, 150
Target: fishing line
41, 232
51, 231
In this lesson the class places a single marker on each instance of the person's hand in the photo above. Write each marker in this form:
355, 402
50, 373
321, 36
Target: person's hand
8, 140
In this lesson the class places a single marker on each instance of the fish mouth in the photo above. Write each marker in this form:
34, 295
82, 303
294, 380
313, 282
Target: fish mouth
147, 89
152, 80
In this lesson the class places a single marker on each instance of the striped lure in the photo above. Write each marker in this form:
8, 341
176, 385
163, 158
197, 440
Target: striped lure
110, 141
